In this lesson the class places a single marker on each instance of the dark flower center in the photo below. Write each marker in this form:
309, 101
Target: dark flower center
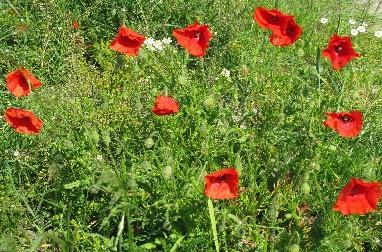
338, 49
25, 120
345, 118
357, 189
290, 31
197, 35
274, 19
223, 179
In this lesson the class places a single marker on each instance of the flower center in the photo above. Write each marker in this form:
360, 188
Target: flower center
25, 120
274, 19
339, 49
290, 31
345, 118
356, 190
223, 179
197, 35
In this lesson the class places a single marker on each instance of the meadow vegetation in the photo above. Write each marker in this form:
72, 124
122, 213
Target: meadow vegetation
105, 174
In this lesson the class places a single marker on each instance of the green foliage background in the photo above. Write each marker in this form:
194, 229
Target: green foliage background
91, 181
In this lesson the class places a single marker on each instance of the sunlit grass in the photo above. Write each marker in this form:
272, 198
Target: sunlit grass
105, 173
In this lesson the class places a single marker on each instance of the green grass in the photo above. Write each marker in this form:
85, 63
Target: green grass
89, 182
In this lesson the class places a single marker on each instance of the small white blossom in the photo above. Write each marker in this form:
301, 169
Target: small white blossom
377, 240
226, 73
354, 32
16, 153
166, 41
378, 34
99, 158
365, 24
324, 20
361, 28
158, 45
149, 41
352, 21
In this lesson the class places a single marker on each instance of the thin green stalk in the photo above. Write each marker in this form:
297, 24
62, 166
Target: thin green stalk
213, 224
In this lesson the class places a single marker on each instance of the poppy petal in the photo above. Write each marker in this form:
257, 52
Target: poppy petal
127, 41
20, 81
222, 184
23, 121
358, 197
165, 105
194, 38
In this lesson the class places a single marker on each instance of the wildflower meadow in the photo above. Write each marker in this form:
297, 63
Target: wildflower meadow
140, 125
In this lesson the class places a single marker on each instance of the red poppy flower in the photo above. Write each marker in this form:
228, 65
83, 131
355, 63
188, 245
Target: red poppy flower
339, 51
23, 121
358, 197
127, 41
75, 25
21, 81
287, 34
269, 19
165, 105
222, 184
347, 124
194, 38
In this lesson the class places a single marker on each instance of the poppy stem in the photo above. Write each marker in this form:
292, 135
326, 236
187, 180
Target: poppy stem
276, 4
213, 224
339, 16
318, 69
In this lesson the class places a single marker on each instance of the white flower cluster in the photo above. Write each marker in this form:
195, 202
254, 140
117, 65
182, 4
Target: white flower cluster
378, 34
156, 45
226, 73
359, 29
324, 20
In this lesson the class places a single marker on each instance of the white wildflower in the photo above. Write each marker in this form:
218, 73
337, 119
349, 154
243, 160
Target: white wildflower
365, 24
226, 73
354, 32
149, 41
361, 28
378, 34
166, 41
352, 21
16, 153
99, 158
324, 20
158, 45
377, 240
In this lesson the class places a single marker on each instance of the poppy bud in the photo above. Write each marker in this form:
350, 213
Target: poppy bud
294, 248
305, 188
106, 138
94, 136
347, 243
209, 102
149, 142
167, 172
146, 165
113, 11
